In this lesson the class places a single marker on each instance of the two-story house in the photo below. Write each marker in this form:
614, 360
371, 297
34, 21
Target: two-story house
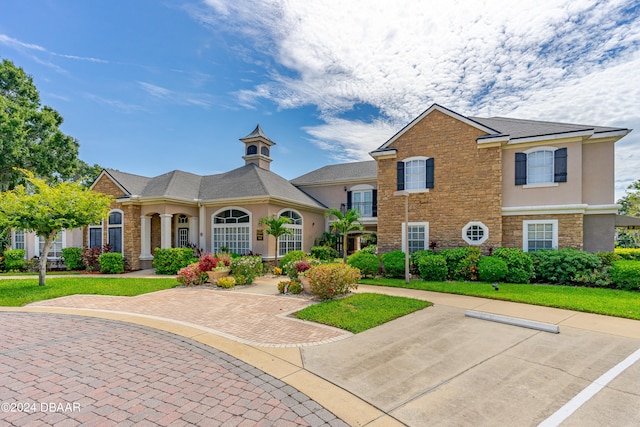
495, 182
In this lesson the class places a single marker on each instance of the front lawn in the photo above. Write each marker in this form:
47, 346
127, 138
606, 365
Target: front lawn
610, 302
18, 292
360, 312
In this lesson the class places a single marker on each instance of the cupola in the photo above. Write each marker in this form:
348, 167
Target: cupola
257, 148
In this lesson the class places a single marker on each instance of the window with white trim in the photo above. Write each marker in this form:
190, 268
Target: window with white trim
18, 239
291, 242
415, 173
114, 230
475, 233
541, 166
540, 234
418, 236
182, 239
55, 252
95, 236
363, 202
231, 230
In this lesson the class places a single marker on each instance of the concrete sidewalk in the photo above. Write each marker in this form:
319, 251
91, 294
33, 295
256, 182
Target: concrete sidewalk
410, 371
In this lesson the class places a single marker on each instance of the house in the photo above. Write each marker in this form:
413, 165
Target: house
494, 182
486, 182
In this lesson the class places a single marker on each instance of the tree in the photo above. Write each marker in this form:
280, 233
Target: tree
349, 221
30, 133
630, 206
276, 227
47, 210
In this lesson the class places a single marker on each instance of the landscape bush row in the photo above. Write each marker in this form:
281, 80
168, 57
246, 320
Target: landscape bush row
619, 269
73, 258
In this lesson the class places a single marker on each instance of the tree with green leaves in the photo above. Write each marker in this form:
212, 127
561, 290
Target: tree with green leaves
344, 223
48, 209
276, 227
630, 206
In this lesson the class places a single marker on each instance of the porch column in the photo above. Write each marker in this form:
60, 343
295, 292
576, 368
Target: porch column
202, 230
193, 229
145, 237
165, 230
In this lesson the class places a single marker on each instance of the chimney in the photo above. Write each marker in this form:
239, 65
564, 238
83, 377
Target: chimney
257, 148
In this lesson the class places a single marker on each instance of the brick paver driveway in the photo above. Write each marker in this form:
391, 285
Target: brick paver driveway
64, 370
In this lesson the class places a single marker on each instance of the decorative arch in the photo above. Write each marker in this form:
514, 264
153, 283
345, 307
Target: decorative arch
231, 230
252, 149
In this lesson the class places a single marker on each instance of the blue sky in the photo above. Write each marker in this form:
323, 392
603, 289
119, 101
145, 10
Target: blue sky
149, 86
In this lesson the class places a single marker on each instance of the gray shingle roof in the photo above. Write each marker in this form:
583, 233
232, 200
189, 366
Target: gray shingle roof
246, 181
367, 170
518, 128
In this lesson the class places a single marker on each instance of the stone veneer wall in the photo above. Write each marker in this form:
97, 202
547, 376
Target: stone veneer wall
131, 231
570, 229
467, 185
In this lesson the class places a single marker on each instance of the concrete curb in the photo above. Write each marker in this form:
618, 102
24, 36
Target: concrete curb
508, 320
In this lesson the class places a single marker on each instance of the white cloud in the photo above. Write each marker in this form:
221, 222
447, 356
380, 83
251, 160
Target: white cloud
14, 43
562, 60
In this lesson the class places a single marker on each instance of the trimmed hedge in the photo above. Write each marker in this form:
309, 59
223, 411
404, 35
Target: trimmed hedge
433, 267
111, 263
462, 263
73, 258
518, 262
14, 260
367, 263
330, 280
171, 260
626, 274
566, 266
393, 263
628, 253
492, 269
324, 253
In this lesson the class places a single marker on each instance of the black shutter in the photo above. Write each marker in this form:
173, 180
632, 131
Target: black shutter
349, 200
374, 203
400, 176
560, 165
521, 168
430, 165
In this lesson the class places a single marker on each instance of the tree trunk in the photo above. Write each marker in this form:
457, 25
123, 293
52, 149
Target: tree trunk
345, 242
43, 258
276, 252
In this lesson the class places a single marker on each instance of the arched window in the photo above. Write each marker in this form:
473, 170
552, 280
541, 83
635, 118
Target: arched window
252, 149
231, 230
416, 174
114, 227
291, 242
95, 235
264, 151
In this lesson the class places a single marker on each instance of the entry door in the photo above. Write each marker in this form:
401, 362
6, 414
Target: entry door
183, 237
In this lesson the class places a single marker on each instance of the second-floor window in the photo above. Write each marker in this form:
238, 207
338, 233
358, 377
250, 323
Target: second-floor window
363, 202
415, 173
544, 165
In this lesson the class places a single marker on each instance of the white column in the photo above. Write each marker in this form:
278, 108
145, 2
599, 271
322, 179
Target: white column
165, 230
193, 229
145, 237
202, 230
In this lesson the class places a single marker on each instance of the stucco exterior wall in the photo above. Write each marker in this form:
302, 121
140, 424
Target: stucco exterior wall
468, 184
598, 178
599, 233
562, 193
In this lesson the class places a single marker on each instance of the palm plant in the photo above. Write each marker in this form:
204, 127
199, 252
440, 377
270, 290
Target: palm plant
276, 227
345, 222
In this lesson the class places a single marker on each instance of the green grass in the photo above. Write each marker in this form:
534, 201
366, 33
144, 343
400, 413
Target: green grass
610, 302
18, 292
49, 273
360, 312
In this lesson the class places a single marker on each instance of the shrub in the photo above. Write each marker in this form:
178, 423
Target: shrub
328, 280
226, 282
245, 269
324, 253
208, 262
608, 258
111, 263
90, 257
14, 259
191, 275
366, 262
290, 286
433, 267
73, 258
170, 260
519, 264
277, 271
393, 263
566, 266
626, 275
416, 256
290, 257
462, 263
492, 269
370, 249
629, 253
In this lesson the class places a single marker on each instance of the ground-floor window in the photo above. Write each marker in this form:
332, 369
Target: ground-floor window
95, 236
291, 242
539, 234
418, 234
114, 234
55, 252
231, 231
475, 233
18, 239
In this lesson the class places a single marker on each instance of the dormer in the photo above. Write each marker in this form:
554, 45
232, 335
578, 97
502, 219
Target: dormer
257, 148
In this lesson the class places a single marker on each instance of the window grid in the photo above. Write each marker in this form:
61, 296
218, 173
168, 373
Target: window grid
183, 237
114, 231
415, 172
18, 239
291, 242
475, 233
417, 241
539, 236
55, 252
183, 219
229, 233
362, 201
540, 167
